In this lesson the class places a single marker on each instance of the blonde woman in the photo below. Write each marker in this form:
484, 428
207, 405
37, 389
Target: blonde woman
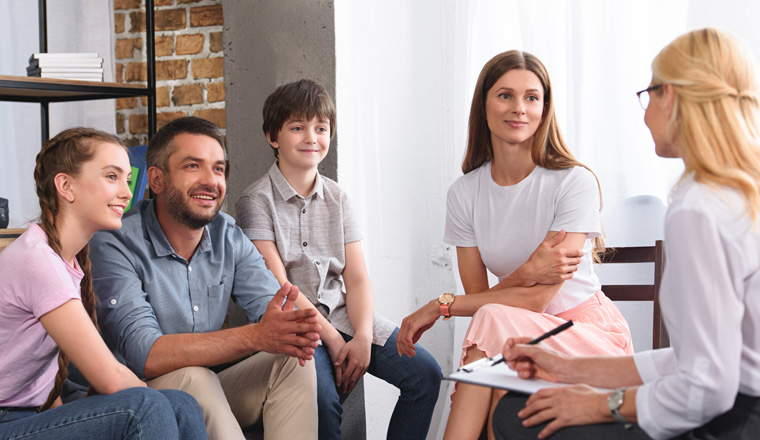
701, 106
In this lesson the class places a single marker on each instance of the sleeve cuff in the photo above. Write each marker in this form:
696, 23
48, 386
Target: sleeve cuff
653, 364
259, 234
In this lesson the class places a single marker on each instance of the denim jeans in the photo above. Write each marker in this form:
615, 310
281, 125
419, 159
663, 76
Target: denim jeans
418, 378
134, 413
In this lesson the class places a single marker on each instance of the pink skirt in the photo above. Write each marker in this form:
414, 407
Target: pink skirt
599, 329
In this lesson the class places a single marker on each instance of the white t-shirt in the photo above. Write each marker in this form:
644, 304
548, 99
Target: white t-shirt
35, 281
507, 223
710, 298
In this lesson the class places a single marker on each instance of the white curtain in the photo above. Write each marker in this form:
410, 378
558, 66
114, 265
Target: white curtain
73, 26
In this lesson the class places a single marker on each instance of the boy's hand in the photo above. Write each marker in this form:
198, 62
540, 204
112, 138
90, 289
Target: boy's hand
333, 349
283, 330
354, 357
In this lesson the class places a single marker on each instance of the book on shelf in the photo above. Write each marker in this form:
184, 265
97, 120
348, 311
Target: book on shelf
78, 76
35, 70
62, 55
73, 62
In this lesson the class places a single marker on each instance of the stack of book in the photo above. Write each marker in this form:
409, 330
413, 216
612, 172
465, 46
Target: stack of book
79, 66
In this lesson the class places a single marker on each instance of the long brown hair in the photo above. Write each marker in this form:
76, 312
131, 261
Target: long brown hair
66, 153
716, 110
549, 149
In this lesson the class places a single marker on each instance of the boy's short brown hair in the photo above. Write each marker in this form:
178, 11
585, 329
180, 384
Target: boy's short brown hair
300, 99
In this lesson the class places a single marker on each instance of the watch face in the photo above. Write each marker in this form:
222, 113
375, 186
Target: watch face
615, 401
446, 298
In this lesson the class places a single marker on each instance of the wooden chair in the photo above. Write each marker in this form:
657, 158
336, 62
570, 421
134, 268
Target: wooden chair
647, 292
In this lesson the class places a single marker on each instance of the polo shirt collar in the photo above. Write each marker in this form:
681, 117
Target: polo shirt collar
286, 191
157, 238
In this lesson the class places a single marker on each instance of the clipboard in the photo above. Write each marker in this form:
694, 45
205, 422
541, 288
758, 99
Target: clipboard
502, 377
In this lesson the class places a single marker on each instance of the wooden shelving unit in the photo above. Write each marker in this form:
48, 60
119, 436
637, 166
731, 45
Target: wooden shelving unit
45, 91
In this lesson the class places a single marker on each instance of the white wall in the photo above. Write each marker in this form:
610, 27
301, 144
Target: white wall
405, 75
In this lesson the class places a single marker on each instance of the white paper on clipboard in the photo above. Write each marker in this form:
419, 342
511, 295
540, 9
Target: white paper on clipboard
500, 376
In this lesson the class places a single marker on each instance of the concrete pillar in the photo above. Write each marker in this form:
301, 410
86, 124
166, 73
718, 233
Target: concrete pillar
268, 43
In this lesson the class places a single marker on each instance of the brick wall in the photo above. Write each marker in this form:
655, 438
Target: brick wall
189, 63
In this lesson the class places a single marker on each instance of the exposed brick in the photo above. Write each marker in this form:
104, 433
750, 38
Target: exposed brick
189, 44
186, 95
119, 123
216, 115
206, 16
215, 91
126, 4
144, 101
171, 69
162, 97
164, 46
134, 141
138, 124
171, 19
119, 72
135, 72
125, 47
187, 1
118, 23
162, 2
215, 41
164, 118
123, 103
207, 67
137, 21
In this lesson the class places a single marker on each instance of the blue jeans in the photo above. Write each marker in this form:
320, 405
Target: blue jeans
418, 378
134, 413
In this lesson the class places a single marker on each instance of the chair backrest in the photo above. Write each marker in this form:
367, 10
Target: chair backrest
7, 236
646, 292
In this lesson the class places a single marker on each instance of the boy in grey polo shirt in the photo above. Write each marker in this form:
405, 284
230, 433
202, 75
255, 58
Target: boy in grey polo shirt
304, 226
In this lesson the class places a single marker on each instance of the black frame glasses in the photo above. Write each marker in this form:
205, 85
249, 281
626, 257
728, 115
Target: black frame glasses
645, 101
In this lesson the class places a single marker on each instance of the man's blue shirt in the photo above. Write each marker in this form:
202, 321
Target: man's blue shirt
146, 290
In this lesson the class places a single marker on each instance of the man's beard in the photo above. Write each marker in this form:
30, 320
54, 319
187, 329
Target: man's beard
179, 209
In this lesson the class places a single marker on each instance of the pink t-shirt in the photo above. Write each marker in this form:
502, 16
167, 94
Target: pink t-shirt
34, 280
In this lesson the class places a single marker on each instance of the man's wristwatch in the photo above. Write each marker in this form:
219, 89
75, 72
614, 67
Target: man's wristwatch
445, 302
614, 402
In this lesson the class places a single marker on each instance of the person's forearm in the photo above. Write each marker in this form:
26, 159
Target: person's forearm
604, 371
171, 352
535, 298
360, 304
329, 335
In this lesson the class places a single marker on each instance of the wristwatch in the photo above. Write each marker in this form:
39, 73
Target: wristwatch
614, 402
445, 302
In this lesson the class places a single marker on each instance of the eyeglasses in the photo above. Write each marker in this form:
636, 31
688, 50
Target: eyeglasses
644, 97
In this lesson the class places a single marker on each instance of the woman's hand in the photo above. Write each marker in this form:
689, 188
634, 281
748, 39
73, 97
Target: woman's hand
550, 263
414, 325
535, 361
354, 359
567, 406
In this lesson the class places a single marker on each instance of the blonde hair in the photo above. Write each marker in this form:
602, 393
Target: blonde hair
715, 110
549, 149
66, 153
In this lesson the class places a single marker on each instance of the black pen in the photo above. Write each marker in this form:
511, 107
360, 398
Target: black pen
548, 334
469, 368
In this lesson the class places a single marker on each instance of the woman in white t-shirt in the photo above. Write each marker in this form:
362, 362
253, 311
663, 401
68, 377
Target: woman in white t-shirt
522, 191
47, 309
703, 106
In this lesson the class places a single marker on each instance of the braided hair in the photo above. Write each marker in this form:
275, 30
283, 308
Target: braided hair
65, 153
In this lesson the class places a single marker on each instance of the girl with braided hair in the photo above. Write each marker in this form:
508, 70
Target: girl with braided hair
47, 309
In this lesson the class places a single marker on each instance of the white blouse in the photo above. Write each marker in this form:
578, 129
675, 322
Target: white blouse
710, 297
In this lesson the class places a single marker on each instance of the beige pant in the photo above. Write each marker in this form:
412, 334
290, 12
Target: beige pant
265, 387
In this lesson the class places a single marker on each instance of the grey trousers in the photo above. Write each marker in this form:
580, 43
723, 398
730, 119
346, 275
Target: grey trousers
742, 422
